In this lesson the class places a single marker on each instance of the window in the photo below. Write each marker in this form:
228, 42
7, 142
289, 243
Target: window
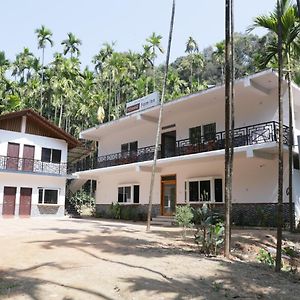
195, 135
51, 155
209, 131
129, 194
204, 190
129, 147
48, 196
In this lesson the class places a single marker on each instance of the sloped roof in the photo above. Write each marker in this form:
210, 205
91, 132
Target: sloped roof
53, 130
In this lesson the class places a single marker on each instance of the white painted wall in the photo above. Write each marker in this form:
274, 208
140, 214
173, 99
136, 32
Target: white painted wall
254, 180
251, 107
34, 140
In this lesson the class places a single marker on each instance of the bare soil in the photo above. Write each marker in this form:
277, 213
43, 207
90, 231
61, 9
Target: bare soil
98, 259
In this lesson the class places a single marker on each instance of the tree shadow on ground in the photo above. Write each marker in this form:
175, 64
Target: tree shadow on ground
15, 282
232, 280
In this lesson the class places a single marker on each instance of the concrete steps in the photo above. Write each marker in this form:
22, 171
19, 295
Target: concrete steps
167, 221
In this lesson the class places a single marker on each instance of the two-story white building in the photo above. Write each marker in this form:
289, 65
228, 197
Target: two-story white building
190, 168
33, 165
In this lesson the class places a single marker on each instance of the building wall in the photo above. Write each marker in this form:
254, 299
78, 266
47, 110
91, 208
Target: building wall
254, 180
35, 182
251, 107
29, 139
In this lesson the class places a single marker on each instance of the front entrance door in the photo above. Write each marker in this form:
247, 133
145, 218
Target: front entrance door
25, 202
12, 156
168, 144
9, 201
168, 195
28, 158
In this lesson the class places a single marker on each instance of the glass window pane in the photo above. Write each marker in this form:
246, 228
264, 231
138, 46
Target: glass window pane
124, 148
218, 190
195, 135
120, 194
205, 190
40, 196
50, 196
209, 131
56, 156
136, 194
133, 146
46, 154
194, 191
127, 194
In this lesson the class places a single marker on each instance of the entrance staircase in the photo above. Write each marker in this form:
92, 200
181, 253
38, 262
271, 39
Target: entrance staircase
167, 221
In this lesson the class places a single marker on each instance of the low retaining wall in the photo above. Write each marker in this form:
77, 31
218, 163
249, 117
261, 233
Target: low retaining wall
250, 214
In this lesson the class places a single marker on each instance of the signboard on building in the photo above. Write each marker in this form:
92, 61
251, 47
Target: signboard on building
142, 103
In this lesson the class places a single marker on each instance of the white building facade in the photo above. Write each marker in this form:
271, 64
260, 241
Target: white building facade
33, 165
190, 168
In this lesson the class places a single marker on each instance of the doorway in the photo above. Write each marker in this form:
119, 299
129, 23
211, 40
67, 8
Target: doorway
25, 202
168, 144
28, 158
12, 161
9, 201
168, 195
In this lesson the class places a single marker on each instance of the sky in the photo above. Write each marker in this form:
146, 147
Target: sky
127, 22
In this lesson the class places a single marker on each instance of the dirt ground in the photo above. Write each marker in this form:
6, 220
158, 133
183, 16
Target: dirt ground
96, 259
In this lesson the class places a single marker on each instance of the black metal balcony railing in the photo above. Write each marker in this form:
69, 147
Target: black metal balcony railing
249, 135
32, 166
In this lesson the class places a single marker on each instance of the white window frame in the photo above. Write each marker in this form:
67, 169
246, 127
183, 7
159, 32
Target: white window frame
48, 188
212, 189
131, 185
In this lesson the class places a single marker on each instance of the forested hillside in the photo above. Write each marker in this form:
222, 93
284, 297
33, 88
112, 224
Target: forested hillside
71, 95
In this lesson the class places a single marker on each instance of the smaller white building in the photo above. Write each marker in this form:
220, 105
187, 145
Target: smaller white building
33, 165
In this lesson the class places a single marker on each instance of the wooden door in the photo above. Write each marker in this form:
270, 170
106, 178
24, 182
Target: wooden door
168, 195
28, 158
12, 156
9, 201
25, 202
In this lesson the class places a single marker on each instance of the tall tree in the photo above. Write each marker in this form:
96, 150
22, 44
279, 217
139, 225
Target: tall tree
218, 55
280, 144
290, 51
44, 36
160, 116
71, 44
155, 44
229, 122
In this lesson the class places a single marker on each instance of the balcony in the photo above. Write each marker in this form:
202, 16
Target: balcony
16, 164
249, 135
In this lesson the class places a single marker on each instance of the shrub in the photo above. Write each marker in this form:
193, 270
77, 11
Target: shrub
265, 257
210, 230
184, 216
115, 209
80, 199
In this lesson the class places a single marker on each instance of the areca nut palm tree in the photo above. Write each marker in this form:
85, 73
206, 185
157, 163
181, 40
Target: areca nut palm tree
191, 48
44, 36
71, 44
155, 44
290, 51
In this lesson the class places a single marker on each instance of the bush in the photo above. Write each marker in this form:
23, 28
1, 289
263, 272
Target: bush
210, 230
184, 216
80, 199
115, 209
265, 257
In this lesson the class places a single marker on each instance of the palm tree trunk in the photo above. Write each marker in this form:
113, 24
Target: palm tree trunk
227, 127
42, 83
60, 115
160, 116
280, 144
291, 143
298, 5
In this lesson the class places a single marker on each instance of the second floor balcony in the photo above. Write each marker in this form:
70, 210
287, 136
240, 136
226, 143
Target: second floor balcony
266, 132
16, 164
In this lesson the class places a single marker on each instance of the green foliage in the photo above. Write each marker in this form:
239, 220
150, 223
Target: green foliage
184, 216
265, 257
210, 231
80, 199
115, 209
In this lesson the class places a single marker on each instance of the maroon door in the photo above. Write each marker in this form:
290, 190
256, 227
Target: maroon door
9, 201
25, 202
12, 156
28, 158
